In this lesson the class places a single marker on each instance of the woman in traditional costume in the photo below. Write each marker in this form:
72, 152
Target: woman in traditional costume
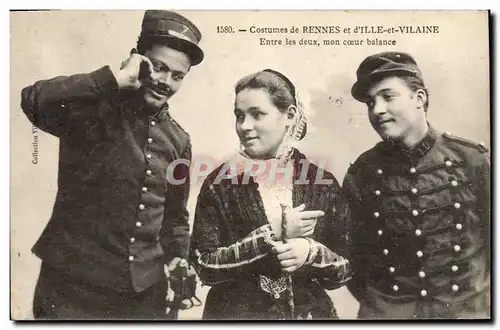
271, 229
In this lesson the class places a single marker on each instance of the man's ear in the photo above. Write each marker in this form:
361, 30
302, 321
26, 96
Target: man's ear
421, 98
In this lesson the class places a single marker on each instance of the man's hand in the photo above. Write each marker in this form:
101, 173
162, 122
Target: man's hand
133, 72
300, 223
175, 263
175, 272
293, 254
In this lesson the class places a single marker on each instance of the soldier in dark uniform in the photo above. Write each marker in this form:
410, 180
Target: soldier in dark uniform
117, 224
420, 200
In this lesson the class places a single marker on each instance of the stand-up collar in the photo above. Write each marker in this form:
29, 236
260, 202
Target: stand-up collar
132, 101
421, 148
417, 151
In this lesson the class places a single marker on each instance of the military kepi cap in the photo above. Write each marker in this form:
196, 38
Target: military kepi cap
175, 28
381, 65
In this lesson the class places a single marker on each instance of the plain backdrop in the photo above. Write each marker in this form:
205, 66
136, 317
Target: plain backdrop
455, 65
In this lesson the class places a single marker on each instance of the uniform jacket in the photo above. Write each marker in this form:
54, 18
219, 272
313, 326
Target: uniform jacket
421, 231
231, 243
115, 220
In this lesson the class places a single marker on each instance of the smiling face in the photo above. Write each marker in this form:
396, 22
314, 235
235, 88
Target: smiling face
396, 111
260, 125
170, 66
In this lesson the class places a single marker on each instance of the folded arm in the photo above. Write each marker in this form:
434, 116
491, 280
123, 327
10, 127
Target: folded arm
214, 261
49, 104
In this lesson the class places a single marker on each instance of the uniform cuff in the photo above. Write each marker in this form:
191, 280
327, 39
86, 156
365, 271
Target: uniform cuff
105, 79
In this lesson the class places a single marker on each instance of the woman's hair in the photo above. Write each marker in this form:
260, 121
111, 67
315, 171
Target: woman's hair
280, 89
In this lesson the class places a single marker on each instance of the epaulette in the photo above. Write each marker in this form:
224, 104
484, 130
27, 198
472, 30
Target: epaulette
351, 168
177, 124
478, 146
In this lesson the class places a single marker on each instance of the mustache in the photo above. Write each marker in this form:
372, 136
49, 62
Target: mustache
159, 88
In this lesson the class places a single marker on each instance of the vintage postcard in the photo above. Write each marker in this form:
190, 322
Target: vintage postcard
250, 165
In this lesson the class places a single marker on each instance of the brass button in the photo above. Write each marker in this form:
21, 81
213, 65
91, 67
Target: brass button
414, 212
380, 172
148, 156
448, 163
131, 258
459, 226
418, 232
454, 287
395, 287
385, 251
150, 140
423, 293
138, 224
414, 191
454, 183
141, 206
379, 232
421, 274
153, 123
413, 170
377, 192
148, 172
454, 268
420, 254
376, 214
144, 189
132, 239
392, 270
456, 248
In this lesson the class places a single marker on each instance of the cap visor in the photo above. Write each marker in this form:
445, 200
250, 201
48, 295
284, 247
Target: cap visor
360, 88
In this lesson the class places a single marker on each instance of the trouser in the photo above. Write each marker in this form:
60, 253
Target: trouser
60, 296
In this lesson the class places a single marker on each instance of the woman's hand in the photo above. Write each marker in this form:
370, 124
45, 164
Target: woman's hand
300, 223
293, 254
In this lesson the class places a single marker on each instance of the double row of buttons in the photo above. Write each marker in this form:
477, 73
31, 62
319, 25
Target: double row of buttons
423, 292
420, 254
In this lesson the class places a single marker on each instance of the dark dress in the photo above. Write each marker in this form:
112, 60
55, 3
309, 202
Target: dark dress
231, 243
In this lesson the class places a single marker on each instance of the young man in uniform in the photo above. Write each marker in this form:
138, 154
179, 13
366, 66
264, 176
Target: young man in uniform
116, 221
421, 205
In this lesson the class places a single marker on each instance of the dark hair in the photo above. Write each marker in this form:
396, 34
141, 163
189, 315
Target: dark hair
415, 84
278, 86
279, 91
